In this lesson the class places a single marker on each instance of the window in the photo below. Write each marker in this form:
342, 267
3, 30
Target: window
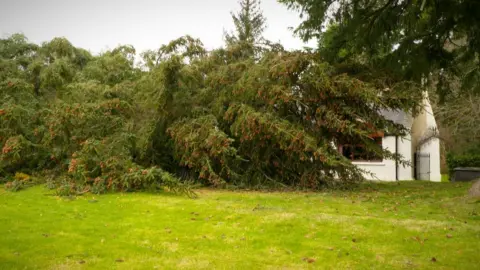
357, 152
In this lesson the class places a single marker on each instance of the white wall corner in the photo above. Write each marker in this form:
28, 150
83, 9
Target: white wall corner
405, 172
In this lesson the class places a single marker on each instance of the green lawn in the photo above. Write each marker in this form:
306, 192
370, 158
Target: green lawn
380, 226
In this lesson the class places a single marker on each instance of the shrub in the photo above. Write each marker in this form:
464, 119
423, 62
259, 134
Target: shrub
103, 166
20, 153
465, 160
68, 188
14, 186
153, 179
20, 181
22, 176
201, 146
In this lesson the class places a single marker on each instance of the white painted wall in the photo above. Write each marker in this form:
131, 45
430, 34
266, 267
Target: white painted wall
422, 126
433, 147
384, 170
388, 170
405, 149
419, 127
407, 146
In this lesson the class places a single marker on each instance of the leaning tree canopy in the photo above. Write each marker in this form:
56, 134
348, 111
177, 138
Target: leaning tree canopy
103, 124
424, 39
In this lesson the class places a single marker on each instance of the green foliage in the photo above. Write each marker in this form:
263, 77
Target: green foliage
68, 103
465, 160
57, 74
20, 153
201, 145
106, 165
153, 179
20, 181
225, 117
14, 186
17, 49
414, 39
274, 120
249, 26
459, 119
112, 67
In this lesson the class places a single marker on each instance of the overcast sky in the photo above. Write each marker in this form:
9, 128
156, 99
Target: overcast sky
97, 25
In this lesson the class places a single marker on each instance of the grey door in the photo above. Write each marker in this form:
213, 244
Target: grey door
422, 166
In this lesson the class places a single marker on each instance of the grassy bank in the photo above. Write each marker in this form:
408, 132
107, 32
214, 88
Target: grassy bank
379, 226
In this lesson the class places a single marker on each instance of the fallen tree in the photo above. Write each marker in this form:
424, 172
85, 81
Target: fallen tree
209, 117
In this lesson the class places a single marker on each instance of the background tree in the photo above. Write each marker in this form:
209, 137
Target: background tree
66, 113
460, 124
414, 39
249, 26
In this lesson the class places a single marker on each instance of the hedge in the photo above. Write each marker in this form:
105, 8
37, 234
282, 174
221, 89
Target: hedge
465, 160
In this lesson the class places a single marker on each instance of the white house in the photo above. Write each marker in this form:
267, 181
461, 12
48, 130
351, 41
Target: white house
424, 155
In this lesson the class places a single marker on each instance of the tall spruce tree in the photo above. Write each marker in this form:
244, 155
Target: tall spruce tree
249, 26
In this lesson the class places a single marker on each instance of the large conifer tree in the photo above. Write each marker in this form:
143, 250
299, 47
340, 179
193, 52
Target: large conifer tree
249, 26
414, 39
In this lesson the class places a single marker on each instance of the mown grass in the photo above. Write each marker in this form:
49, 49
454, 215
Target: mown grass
379, 226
